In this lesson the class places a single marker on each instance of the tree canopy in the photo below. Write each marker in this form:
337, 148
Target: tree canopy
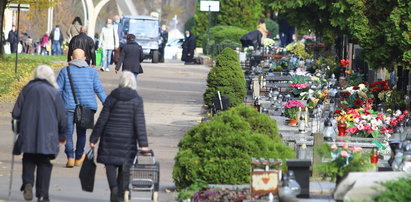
381, 28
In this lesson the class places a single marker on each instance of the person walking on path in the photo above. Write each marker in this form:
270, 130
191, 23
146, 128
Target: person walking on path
74, 28
131, 56
118, 26
12, 39
40, 110
120, 127
86, 84
108, 42
43, 44
85, 43
56, 37
189, 45
164, 37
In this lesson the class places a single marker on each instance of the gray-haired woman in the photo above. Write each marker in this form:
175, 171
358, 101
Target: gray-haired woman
42, 116
120, 127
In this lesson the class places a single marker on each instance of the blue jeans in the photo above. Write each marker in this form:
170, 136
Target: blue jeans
81, 138
56, 48
106, 57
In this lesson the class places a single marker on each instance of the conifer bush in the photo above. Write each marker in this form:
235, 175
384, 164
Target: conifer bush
219, 151
226, 77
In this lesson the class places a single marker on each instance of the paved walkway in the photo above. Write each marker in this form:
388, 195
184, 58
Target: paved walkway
172, 95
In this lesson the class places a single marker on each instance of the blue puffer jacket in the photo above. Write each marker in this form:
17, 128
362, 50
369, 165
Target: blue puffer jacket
86, 84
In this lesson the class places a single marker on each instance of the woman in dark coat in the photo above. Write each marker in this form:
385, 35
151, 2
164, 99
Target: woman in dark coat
120, 127
131, 56
42, 116
189, 45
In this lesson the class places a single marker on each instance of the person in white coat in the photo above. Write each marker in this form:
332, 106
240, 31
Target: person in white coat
108, 42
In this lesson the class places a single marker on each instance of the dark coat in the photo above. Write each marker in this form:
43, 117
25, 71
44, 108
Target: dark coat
61, 39
254, 37
131, 57
85, 43
12, 38
189, 45
120, 127
42, 116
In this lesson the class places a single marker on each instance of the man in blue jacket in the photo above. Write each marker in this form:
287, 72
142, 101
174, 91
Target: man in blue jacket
86, 84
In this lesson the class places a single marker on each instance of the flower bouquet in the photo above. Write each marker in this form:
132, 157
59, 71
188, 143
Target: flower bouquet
291, 108
298, 82
267, 42
362, 122
341, 160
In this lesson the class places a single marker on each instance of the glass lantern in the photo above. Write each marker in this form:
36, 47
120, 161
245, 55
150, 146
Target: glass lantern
328, 131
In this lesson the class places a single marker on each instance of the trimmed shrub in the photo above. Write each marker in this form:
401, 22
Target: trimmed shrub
219, 151
226, 77
272, 27
395, 190
223, 35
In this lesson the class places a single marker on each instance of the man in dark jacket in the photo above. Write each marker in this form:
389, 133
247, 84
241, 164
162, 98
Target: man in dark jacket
252, 38
85, 43
57, 38
189, 45
42, 116
12, 39
131, 56
164, 37
120, 127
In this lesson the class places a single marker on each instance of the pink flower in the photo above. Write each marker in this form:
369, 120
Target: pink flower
352, 130
357, 149
360, 127
344, 153
345, 146
333, 147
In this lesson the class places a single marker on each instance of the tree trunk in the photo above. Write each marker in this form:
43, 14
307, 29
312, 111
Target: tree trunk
2, 9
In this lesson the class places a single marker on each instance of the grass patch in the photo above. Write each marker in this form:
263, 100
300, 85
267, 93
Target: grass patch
11, 83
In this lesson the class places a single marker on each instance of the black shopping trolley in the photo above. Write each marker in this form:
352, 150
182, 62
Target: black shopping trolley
143, 177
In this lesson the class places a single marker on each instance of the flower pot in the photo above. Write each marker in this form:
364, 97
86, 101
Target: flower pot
341, 128
292, 122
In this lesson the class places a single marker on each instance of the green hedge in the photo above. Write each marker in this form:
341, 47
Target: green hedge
272, 27
219, 151
395, 190
228, 36
226, 77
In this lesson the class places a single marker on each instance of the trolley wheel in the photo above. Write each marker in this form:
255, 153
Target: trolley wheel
126, 196
154, 197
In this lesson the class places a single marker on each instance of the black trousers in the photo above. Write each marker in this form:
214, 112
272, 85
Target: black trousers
44, 167
13, 47
115, 177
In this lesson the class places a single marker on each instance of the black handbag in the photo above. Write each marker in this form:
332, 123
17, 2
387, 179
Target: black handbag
83, 116
88, 172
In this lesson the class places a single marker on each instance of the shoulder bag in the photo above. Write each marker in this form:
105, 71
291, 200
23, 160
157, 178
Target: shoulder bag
83, 116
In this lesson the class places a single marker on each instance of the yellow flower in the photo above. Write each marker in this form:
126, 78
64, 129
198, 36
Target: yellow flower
350, 117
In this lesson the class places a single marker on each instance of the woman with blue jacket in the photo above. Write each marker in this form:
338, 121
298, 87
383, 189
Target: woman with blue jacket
86, 84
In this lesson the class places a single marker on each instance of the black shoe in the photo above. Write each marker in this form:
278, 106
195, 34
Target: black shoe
43, 199
28, 192
114, 195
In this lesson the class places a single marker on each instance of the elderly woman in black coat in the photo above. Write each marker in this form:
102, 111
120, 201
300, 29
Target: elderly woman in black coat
131, 56
42, 116
120, 127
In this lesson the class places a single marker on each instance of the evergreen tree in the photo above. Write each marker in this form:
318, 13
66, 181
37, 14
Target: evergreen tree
239, 13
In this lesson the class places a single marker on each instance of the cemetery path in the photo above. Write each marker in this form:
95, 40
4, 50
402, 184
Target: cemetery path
172, 94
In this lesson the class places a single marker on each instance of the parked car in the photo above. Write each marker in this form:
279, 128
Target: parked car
147, 32
173, 48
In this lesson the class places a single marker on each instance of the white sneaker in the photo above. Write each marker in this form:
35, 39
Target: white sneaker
107, 69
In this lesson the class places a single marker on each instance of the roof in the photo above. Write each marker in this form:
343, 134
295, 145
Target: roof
139, 17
